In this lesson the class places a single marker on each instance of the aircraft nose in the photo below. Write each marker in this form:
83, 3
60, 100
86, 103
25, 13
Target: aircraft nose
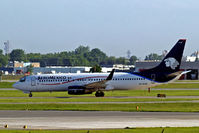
15, 85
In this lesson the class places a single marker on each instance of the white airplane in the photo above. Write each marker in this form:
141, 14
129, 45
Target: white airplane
87, 83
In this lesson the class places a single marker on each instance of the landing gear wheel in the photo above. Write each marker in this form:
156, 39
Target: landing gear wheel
99, 94
30, 94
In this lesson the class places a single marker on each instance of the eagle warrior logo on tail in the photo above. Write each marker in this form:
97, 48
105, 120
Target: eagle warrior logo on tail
171, 62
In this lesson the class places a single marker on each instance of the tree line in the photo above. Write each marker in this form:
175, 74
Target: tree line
81, 56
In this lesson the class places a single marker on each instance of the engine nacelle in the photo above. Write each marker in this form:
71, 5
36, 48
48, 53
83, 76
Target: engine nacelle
78, 90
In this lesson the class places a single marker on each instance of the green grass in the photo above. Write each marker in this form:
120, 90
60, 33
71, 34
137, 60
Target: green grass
154, 93
94, 99
11, 77
132, 130
179, 85
6, 84
12, 96
187, 81
17, 93
64, 97
144, 107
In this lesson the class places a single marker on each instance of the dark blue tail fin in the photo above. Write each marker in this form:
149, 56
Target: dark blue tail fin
172, 61
169, 68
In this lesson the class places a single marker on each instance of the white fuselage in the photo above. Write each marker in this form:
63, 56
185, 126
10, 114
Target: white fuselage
61, 82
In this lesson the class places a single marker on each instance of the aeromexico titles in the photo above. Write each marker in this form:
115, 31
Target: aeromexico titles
87, 83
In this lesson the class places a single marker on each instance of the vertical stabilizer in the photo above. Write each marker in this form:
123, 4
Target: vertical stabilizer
172, 61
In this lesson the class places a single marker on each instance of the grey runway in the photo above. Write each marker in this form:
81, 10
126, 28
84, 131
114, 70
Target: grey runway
96, 119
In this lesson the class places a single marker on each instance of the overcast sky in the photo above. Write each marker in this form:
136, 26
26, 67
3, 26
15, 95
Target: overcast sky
114, 26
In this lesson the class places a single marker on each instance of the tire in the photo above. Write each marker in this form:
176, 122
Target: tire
30, 95
99, 94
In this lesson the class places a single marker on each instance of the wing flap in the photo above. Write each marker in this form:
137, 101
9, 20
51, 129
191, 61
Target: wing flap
101, 84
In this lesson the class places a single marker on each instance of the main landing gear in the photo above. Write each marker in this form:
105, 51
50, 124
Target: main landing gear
30, 94
99, 93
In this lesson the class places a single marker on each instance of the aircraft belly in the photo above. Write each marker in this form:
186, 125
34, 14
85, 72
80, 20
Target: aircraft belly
127, 85
44, 88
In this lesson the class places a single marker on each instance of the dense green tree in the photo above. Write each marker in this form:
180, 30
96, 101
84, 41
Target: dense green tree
96, 56
67, 61
34, 57
121, 60
3, 59
81, 56
81, 61
153, 56
81, 50
96, 68
133, 59
17, 55
111, 60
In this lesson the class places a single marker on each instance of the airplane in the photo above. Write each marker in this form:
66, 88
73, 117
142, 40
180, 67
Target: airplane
86, 83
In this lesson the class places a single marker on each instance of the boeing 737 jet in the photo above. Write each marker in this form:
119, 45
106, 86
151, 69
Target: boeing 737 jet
87, 83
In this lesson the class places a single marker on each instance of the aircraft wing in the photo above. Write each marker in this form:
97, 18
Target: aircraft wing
101, 84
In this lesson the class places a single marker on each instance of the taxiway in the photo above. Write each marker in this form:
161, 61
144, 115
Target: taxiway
95, 119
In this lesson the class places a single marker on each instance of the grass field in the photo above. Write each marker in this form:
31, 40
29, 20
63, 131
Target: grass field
179, 85
11, 77
187, 81
6, 84
12, 97
51, 102
17, 93
133, 130
146, 107
54, 100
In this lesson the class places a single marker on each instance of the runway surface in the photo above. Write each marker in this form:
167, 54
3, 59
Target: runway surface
95, 119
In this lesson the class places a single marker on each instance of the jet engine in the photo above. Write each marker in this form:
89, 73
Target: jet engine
78, 90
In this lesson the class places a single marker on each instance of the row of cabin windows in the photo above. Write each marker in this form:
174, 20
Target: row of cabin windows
128, 78
48, 80
91, 79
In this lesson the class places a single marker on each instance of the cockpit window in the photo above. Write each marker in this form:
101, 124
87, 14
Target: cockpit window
23, 79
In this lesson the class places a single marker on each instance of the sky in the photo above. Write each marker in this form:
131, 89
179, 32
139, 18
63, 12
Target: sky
114, 26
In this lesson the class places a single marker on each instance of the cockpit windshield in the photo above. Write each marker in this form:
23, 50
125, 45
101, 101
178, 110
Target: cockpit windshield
23, 79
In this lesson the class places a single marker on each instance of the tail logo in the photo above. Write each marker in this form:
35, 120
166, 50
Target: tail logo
171, 62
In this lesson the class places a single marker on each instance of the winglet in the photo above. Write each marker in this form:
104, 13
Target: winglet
110, 76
